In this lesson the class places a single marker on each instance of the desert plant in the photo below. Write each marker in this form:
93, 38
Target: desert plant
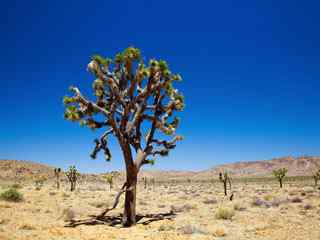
16, 186
19, 175
57, 172
109, 179
11, 195
316, 177
72, 175
145, 181
135, 103
39, 182
225, 179
279, 174
224, 213
153, 183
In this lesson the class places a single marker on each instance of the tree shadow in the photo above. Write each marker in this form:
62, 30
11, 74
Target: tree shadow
117, 220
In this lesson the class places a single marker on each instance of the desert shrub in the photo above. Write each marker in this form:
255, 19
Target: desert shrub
210, 201
257, 202
268, 197
166, 227
16, 186
308, 189
296, 200
224, 213
11, 195
27, 227
307, 206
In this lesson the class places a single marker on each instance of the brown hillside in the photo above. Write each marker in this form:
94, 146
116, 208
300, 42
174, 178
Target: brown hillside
299, 166
12, 169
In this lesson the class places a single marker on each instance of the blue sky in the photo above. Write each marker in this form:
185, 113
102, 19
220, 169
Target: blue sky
250, 69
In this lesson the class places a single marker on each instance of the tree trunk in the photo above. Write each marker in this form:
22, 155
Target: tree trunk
225, 188
280, 183
58, 183
129, 214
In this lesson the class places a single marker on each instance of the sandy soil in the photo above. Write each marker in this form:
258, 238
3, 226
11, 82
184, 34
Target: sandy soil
260, 212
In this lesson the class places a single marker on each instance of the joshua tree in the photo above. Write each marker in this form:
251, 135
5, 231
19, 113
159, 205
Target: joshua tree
57, 172
145, 180
316, 177
39, 181
153, 182
135, 102
72, 175
280, 174
109, 178
224, 178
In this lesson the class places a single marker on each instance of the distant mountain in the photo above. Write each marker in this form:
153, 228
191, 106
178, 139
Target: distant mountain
297, 166
11, 169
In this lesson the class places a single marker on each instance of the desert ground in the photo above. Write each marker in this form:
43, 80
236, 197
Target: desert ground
197, 210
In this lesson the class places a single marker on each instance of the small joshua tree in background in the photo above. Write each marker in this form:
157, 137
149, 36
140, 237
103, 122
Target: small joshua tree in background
57, 172
280, 174
145, 180
224, 178
136, 103
72, 175
39, 182
153, 182
109, 179
316, 177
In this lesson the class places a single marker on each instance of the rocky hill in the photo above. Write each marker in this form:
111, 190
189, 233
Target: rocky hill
14, 169
297, 166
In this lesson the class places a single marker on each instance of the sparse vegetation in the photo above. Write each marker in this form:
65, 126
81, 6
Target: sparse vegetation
280, 174
225, 179
72, 175
57, 172
39, 182
316, 177
11, 195
109, 179
224, 213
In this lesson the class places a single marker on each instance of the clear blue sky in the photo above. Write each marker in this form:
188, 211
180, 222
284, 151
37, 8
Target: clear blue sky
251, 74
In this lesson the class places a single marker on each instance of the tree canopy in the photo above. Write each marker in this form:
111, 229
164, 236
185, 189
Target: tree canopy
134, 102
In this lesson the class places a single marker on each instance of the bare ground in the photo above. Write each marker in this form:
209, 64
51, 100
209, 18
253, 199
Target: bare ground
260, 211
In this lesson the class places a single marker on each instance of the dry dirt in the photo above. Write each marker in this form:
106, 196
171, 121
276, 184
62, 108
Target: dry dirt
290, 213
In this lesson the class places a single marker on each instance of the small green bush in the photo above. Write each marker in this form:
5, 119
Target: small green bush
11, 195
224, 213
16, 186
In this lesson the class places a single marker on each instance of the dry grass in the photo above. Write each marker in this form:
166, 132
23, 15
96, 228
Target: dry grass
202, 212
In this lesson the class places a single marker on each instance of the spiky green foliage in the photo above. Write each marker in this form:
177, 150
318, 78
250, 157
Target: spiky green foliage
136, 102
122, 86
72, 175
109, 179
280, 174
